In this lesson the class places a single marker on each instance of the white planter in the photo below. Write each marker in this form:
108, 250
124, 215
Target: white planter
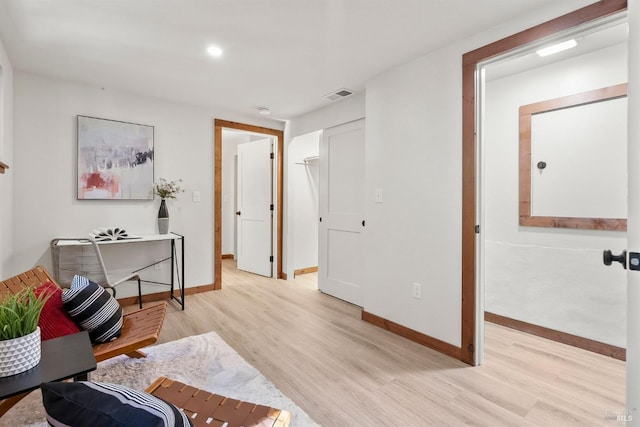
19, 354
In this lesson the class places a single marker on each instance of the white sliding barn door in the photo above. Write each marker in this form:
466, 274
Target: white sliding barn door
340, 259
254, 194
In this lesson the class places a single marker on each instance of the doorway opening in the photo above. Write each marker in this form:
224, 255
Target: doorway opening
551, 130
472, 304
303, 162
276, 242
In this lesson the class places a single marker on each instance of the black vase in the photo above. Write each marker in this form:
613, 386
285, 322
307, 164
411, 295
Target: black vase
163, 218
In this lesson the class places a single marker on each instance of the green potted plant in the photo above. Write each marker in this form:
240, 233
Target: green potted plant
19, 331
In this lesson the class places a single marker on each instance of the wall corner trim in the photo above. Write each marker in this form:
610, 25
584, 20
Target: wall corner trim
415, 336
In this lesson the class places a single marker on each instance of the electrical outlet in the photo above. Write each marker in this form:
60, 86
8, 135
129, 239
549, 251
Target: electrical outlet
417, 290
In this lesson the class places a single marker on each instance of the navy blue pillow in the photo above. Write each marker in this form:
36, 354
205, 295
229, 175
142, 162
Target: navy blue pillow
94, 309
89, 404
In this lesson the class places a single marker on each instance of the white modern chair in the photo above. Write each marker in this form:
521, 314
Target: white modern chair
82, 256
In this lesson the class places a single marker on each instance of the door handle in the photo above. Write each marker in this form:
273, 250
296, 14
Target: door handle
608, 258
238, 213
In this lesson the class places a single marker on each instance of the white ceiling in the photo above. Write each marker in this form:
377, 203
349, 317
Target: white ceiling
282, 54
590, 38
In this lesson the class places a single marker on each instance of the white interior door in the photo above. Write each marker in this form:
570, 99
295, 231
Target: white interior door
633, 220
341, 199
254, 214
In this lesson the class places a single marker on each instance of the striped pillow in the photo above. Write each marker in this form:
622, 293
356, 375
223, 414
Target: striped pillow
89, 404
93, 309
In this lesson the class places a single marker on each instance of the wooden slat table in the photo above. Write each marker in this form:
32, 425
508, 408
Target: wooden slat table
212, 410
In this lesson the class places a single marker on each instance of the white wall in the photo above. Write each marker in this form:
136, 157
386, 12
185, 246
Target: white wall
334, 114
414, 153
45, 171
6, 156
303, 199
549, 277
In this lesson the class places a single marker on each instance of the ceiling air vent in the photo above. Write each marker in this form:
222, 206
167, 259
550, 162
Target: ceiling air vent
339, 94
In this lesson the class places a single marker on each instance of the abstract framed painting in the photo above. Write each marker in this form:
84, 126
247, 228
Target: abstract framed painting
115, 160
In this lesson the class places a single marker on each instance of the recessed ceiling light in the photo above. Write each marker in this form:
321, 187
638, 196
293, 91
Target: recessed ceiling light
264, 111
214, 51
555, 48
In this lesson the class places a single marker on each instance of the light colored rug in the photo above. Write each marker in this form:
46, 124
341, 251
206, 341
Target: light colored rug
203, 361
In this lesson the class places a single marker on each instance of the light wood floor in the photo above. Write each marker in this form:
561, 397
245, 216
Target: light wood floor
345, 372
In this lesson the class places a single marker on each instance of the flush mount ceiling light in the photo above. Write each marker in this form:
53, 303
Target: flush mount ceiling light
555, 48
264, 111
214, 51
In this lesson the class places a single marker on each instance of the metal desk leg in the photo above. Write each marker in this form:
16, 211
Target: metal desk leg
178, 270
173, 253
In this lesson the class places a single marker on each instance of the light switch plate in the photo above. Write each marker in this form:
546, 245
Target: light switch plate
378, 195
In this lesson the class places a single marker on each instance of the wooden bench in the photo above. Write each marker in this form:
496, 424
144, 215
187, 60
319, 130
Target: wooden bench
140, 328
207, 409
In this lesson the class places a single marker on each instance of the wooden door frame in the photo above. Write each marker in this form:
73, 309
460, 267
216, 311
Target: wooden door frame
217, 192
470, 62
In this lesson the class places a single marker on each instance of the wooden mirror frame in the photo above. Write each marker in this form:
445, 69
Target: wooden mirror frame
526, 112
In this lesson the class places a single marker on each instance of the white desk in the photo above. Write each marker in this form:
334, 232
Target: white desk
177, 267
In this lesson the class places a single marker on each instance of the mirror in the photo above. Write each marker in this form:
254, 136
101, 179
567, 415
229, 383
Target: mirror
573, 161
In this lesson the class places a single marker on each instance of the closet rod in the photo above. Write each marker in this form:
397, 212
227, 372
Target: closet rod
306, 160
